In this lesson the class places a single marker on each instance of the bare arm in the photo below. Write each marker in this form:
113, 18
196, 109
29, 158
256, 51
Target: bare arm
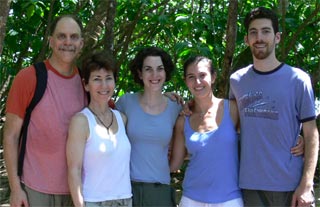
302, 195
234, 113
12, 128
77, 136
178, 152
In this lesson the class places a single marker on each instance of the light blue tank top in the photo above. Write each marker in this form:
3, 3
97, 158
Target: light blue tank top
212, 173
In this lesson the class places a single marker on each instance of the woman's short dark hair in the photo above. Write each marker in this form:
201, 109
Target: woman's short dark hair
96, 61
262, 13
136, 64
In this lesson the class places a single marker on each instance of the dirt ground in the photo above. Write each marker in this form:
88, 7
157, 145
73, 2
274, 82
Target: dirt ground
177, 178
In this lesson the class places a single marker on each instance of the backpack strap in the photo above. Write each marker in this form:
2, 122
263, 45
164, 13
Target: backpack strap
41, 75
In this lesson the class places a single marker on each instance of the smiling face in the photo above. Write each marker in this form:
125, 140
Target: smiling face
199, 79
101, 85
66, 41
261, 39
153, 73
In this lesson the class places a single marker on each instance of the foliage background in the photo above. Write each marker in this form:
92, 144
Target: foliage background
209, 27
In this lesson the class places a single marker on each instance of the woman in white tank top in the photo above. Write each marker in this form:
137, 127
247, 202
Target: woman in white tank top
98, 149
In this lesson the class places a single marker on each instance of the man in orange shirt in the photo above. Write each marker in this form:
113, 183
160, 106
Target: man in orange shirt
44, 176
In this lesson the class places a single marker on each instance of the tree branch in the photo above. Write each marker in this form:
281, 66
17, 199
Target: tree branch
42, 54
4, 11
300, 29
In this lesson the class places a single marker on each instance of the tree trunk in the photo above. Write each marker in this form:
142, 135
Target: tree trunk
4, 12
44, 48
94, 28
109, 26
231, 35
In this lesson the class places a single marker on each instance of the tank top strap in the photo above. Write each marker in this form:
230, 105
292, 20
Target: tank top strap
226, 107
119, 119
226, 112
187, 127
90, 116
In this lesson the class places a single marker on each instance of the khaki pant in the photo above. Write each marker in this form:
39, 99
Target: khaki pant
36, 198
187, 202
113, 203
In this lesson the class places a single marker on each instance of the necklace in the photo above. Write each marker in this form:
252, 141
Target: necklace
107, 127
202, 114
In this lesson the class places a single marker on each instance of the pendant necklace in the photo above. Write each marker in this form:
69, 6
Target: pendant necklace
107, 127
208, 111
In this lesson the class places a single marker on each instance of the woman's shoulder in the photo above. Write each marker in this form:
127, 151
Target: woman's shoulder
234, 112
126, 100
118, 113
80, 116
79, 121
121, 115
129, 96
174, 104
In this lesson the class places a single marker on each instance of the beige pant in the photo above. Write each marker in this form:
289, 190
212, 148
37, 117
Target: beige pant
187, 202
127, 202
36, 198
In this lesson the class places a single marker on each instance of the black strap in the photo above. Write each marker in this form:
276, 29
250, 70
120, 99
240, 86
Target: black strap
41, 75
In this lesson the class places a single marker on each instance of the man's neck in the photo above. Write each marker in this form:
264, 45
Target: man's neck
266, 65
65, 69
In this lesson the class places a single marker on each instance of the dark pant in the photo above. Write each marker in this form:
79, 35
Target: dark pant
267, 198
153, 194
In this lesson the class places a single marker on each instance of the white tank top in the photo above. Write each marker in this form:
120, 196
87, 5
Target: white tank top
105, 170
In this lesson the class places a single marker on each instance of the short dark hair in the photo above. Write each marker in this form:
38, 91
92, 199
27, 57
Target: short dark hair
262, 13
96, 61
57, 19
136, 64
195, 60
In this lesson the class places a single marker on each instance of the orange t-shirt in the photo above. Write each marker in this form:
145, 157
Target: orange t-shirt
45, 168
21, 91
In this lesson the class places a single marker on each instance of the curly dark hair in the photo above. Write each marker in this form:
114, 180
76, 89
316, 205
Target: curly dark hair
96, 61
136, 64
262, 13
